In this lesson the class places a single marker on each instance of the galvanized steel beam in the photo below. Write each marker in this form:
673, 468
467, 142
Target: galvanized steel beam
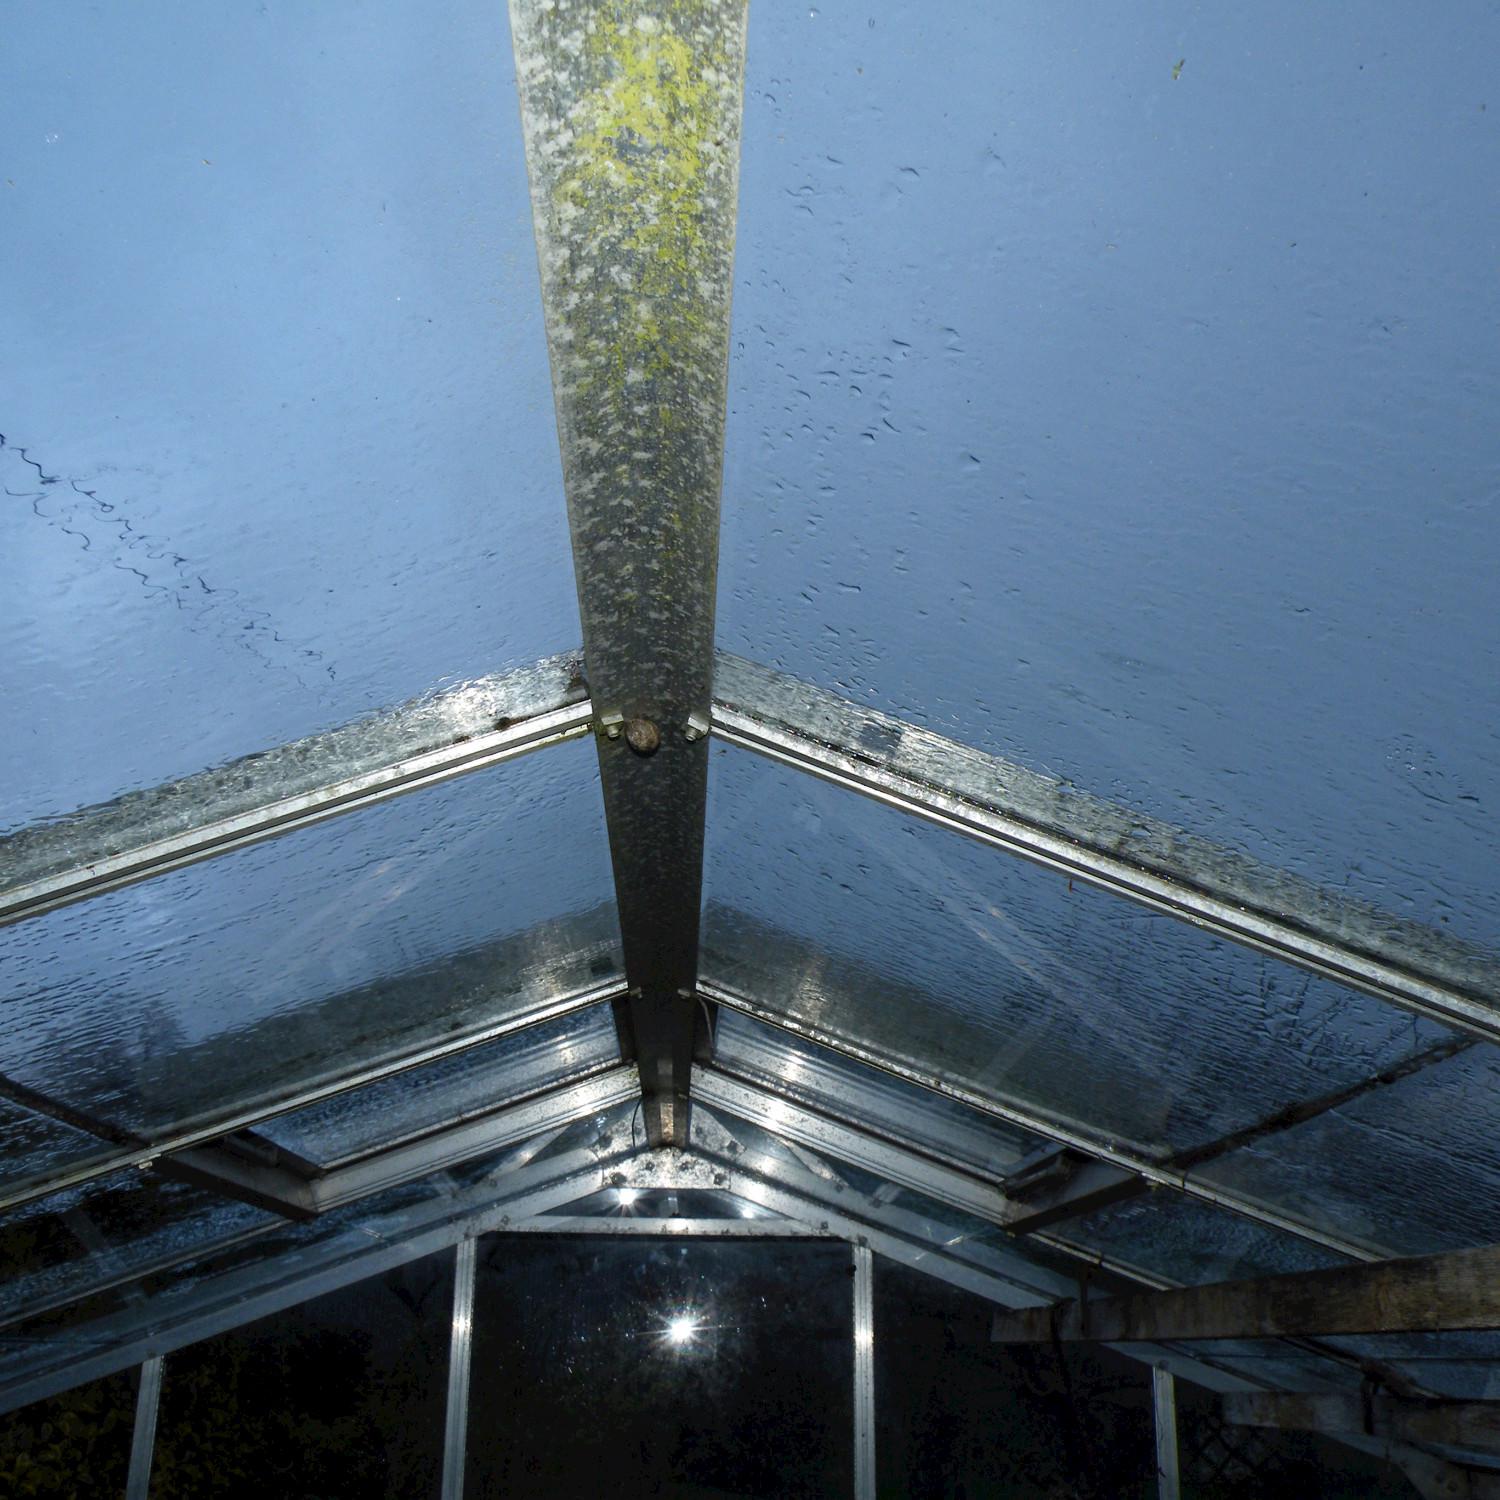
1055, 825
295, 785
631, 114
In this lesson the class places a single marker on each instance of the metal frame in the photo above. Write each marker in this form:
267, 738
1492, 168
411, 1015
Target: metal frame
456, 1428
301, 1197
205, 1132
143, 1438
1125, 853
864, 1373
278, 791
354, 1252
1137, 1166
639, 368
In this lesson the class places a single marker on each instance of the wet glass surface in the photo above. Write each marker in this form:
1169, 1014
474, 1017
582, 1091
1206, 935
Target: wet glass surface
977, 970
1118, 397
481, 1079
1413, 1168
278, 446
237, 981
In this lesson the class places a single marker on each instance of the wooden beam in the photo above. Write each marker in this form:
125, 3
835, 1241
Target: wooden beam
1463, 1424
1427, 1294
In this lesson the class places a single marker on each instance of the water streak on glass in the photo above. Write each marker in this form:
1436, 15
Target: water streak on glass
278, 448
1119, 397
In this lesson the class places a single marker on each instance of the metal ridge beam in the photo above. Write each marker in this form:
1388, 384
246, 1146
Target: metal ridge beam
1050, 823
1101, 1150
631, 117
1420, 1294
203, 1132
295, 785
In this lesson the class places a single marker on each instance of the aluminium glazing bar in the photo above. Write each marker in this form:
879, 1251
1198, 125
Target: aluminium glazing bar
456, 1431
271, 1186
864, 1373
631, 116
143, 1440
1127, 854
262, 796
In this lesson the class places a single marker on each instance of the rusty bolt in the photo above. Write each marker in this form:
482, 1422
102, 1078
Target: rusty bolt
642, 736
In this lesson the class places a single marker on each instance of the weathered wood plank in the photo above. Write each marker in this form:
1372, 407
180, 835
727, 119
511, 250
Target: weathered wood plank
1430, 1293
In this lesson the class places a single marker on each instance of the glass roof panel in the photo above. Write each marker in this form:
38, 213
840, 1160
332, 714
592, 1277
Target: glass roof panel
1118, 396
1414, 1168
1465, 1365
109, 1232
36, 1145
865, 1096
453, 1089
237, 982
979, 971
1186, 1240
283, 450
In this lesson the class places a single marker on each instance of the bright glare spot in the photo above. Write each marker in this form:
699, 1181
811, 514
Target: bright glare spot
680, 1330
628, 1196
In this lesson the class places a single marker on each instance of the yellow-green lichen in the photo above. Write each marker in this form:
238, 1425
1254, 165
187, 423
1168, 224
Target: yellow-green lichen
637, 179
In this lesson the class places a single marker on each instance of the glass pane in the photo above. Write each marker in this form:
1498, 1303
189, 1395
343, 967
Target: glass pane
1186, 1240
1462, 1365
446, 1092
958, 1415
628, 1367
36, 1145
865, 1096
75, 1444
341, 1398
65, 1246
1413, 1168
977, 970
1087, 406
278, 444
240, 980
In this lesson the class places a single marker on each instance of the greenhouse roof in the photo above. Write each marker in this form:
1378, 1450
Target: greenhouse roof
1043, 830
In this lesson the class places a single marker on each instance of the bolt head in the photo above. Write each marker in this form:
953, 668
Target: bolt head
642, 736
